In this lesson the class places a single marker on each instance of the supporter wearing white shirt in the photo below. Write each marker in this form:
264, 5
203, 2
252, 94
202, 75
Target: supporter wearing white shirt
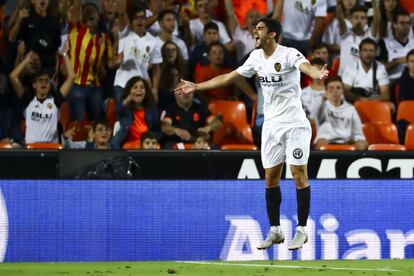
350, 39
366, 78
203, 8
338, 121
302, 22
167, 23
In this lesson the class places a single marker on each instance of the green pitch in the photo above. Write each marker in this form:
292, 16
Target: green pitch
302, 268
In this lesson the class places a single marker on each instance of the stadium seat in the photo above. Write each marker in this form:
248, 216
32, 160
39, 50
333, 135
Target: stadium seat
110, 114
232, 111
373, 111
396, 147
132, 145
337, 147
64, 114
6, 146
381, 133
44, 146
397, 94
406, 111
238, 147
81, 129
231, 134
409, 137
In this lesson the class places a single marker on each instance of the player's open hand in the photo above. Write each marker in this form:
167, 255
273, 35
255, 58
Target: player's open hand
185, 87
324, 72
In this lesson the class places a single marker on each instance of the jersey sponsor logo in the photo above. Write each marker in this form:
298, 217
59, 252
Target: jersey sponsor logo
278, 67
37, 116
272, 79
297, 153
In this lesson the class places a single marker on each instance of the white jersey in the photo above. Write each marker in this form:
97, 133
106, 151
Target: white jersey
397, 50
279, 77
180, 43
139, 54
331, 35
197, 29
298, 17
312, 100
244, 42
354, 75
41, 119
339, 124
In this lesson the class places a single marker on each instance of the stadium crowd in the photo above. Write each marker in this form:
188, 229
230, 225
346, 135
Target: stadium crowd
100, 74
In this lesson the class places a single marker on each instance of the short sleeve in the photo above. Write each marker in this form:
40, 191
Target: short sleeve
295, 58
155, 55
382, 75
348, 77
321, 8
247, 70
224, 36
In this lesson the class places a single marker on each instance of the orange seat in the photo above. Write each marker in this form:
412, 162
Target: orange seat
64, 116
232, 111
110, 113
253, 117
231, 134
386, 147
380, 133
406, 111
238, 147
44, 146
82, 129
132, 145
337, 147
409, 137
6, 146
373, 111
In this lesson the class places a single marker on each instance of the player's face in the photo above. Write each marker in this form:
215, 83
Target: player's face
334, 91
211, 36
102, 134
410, 64
138, 92
359, 20
261, 35
322, 54
216, 55
367, 54
168, 23
403, 25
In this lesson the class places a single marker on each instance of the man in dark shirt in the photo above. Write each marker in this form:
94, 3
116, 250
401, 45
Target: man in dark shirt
406, 82
181, 120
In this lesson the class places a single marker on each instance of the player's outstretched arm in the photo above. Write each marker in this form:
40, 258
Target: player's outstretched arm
187, 87
314, 72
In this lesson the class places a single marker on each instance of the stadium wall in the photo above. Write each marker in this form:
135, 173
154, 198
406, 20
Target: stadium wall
92, 220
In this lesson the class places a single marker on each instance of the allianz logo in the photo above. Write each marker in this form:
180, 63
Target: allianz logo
245, 234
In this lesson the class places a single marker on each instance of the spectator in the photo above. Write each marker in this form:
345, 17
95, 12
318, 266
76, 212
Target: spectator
171, 56
34, 65
332, 36
151, 14
203, 8
39, 31
406, 81
90, 52
243, 37
215, 68
338, 120
41, 104
171, 77
99, 137
302, 23
394, 48
182, 119
167, 23
367, 78
319, 51
313, 94
138, 113
140, 53
108, 13
149, 141
387, 9
201, 141
350, 39
9, 123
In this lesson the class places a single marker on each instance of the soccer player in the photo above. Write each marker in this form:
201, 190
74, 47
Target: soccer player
286, 132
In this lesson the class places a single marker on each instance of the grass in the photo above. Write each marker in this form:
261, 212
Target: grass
262, 268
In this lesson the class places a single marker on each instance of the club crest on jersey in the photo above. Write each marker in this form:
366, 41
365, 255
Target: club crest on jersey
297, 153
49, 106
147, 49
278, 67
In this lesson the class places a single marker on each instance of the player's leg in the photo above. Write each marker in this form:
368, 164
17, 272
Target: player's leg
297, 154
273, 200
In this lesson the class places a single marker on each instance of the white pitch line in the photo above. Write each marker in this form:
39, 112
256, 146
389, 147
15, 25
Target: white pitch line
292, 266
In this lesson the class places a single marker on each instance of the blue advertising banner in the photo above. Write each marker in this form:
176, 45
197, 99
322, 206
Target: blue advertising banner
50, 221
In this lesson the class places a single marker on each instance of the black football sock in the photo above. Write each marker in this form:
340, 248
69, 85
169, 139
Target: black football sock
273, 200
303, 198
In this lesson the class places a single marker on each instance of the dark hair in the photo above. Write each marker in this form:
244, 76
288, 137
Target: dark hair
272, 26
317, 61
167, 76
410, 53
136, 9
179, 62
102, 122
148, 98
399, 13
41, 72
148, 135
332, 79
359, 8
383, 27
367, 41
165, 12
320, 45
216, 43
202, 135
210, 26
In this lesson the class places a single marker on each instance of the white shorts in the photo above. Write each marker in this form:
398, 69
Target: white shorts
284, 143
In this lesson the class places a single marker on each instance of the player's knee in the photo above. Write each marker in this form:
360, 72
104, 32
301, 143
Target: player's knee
301, 177
271, 182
